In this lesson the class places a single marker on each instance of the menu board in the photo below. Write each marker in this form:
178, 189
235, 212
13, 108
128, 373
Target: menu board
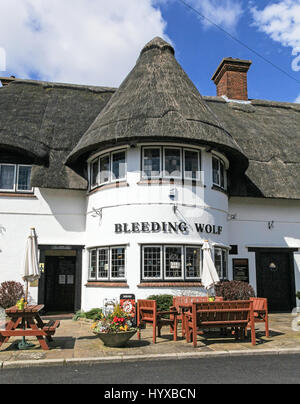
241, 270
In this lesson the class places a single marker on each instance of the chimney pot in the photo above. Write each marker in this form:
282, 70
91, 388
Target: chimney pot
231, 78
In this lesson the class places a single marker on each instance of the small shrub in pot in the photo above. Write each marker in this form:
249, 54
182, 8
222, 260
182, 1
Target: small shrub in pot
10, 293
234, 290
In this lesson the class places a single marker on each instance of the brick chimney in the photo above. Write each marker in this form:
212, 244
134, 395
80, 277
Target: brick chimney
231, 78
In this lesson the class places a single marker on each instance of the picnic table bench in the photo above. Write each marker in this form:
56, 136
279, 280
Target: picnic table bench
28, 323
234, 314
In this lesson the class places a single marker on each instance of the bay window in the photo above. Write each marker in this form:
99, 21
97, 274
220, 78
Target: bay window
15, 178
108, 168
107, 263
170, 162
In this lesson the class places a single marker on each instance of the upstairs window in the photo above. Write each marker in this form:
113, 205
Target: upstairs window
15, 178
170, 162
108, 168
219, 172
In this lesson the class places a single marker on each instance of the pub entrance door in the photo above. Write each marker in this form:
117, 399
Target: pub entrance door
276, 279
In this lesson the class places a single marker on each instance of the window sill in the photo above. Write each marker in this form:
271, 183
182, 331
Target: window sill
216, 188
109, 186
107, 285
18, 195
169, 284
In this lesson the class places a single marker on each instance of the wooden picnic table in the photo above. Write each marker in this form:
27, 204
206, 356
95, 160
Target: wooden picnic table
28, 323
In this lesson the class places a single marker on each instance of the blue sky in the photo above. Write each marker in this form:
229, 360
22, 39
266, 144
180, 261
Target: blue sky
97, 42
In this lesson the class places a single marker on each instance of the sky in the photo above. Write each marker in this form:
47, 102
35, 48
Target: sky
97, 42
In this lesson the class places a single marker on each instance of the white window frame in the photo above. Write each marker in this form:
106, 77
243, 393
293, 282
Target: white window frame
220, 161
110, 180
226, 252
108, 270
99, 169
164, 162
161, 263
144, 176
125, 263
198, 178
182, 262
111, 165
185, 263
17, 179
15, 188
109, 278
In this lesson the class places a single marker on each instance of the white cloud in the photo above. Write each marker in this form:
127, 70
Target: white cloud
225, 13
80, 41
280, 21
297, 100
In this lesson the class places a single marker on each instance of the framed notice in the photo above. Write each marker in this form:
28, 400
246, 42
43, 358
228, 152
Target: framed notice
241, 270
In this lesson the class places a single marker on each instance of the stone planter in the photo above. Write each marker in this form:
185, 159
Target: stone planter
114, 340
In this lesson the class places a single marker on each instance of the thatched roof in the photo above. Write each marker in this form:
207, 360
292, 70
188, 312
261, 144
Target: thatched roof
269, 134
44, 121
53, 124
157, 100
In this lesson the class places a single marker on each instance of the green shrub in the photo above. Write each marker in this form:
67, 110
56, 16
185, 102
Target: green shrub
234, 290
164, 302
298, 295
94, 314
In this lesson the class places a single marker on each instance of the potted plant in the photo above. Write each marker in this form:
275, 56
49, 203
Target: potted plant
114, 329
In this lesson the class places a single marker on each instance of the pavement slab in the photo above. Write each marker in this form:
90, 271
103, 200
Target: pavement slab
75, 341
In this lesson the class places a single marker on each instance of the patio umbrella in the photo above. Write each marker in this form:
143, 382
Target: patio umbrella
31, 270
209, 273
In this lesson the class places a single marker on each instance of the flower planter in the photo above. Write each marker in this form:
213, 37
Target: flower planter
114, 340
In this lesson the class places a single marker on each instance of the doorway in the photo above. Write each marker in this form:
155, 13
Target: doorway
276, 279
60, 283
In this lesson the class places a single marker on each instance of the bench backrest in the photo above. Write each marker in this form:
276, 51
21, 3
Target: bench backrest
259, 303
182, 300
222, 311
146, 310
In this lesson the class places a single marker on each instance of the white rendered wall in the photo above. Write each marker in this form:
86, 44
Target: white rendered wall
251, 229
57, 215
143, 203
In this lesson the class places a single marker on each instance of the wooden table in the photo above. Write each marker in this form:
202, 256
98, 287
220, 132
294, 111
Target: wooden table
28, 323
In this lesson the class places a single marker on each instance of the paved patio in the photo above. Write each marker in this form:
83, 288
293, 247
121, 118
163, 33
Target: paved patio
75, 340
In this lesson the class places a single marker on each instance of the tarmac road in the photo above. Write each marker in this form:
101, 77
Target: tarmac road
274, 369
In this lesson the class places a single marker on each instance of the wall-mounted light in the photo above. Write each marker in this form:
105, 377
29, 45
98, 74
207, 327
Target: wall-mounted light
97, 212
271, 225
232, 216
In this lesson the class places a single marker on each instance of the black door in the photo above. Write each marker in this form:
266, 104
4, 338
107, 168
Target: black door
60, 284
275, 280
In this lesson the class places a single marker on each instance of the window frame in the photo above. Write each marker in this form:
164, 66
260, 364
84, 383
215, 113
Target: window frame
15, 188
221, 162
163, 277
222, 250
110, 180
162, 161
109, 277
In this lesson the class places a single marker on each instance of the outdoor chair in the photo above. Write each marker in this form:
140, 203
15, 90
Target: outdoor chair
229, 314
147, 313
260, 308
188, 300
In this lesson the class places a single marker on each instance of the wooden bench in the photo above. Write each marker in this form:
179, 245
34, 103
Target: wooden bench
28, 323
180, 301
147, 313
234, 314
